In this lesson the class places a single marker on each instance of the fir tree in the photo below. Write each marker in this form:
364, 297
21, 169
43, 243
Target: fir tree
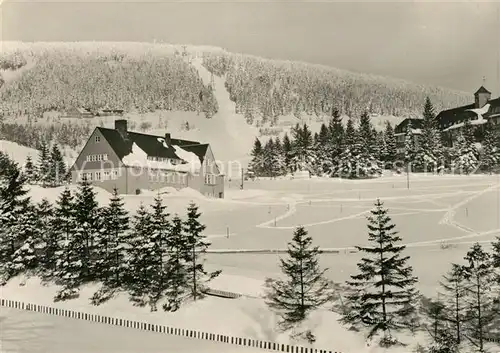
112, 266
366, 135
409, 147
30, 171
322, 150
44, 164
68, 267
58, 170
346, 167
391, 150
88, 227
454, 294
479, 274
257, 163
467, 160
25, 259
305, 288
50, 244
303, 149
178, 281
142, 263
437, 327
287, 154
336, 130
429, 154
383, 294
160, 244
13, 204
490, 156
196, 241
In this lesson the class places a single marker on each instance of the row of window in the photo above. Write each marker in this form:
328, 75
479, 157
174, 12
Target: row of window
167, 177
97, 157
100, 176
210, 179
163, 159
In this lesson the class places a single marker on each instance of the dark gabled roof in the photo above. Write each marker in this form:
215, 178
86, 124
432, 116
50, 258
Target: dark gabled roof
149, 144
455, 115
416, 123
482, 90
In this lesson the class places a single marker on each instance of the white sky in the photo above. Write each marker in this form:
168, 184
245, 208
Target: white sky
452, 44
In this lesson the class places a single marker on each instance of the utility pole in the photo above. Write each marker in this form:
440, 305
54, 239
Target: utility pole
408, 175
242, 178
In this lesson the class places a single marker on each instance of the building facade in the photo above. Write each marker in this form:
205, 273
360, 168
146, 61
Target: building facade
483, 113
132, 162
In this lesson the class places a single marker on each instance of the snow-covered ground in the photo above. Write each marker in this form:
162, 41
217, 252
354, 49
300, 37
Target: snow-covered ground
23, 331
439, 218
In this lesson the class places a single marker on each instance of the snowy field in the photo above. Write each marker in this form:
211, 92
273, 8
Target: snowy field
438, 218
23, 332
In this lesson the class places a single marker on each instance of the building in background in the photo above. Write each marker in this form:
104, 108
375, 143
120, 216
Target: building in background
132, 161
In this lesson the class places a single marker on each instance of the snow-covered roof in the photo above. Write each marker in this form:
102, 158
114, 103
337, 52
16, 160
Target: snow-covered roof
139, 158
459, 125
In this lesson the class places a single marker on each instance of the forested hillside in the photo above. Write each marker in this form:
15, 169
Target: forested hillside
270, 88
144, 77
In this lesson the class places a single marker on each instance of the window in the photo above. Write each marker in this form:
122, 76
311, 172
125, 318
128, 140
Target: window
106, 175
98, 176
104, 157
114, 174
210, 179
87, 176
97, 139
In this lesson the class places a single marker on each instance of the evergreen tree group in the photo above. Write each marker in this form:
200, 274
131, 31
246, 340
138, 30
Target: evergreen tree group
50, 169
151, 256
350, 152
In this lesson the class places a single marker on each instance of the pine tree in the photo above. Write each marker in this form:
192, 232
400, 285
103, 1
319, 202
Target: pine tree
490, 156
278, 157
383, 294
68, 269
336, 130
25, 259
350, 150
113, 255
391, 152
50, 244
429, 154
454, 294
257, 163
44, 164
437, 327
287, 154
58, 170
303, 149
322, 150
178, 275
479, 274
366, 135
467, 160
160, 228
88, 227
196, 242
30, 171
142, 263
13, 204
305, 288
409, 147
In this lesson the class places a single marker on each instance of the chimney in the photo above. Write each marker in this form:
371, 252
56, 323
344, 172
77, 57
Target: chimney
121, 127
168, 140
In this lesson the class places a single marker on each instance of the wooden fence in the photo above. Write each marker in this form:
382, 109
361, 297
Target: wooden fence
272, 346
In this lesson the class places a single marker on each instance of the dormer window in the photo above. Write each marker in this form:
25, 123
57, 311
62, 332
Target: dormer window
97, 139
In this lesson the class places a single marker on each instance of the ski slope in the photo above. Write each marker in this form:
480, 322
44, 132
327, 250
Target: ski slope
24, 331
